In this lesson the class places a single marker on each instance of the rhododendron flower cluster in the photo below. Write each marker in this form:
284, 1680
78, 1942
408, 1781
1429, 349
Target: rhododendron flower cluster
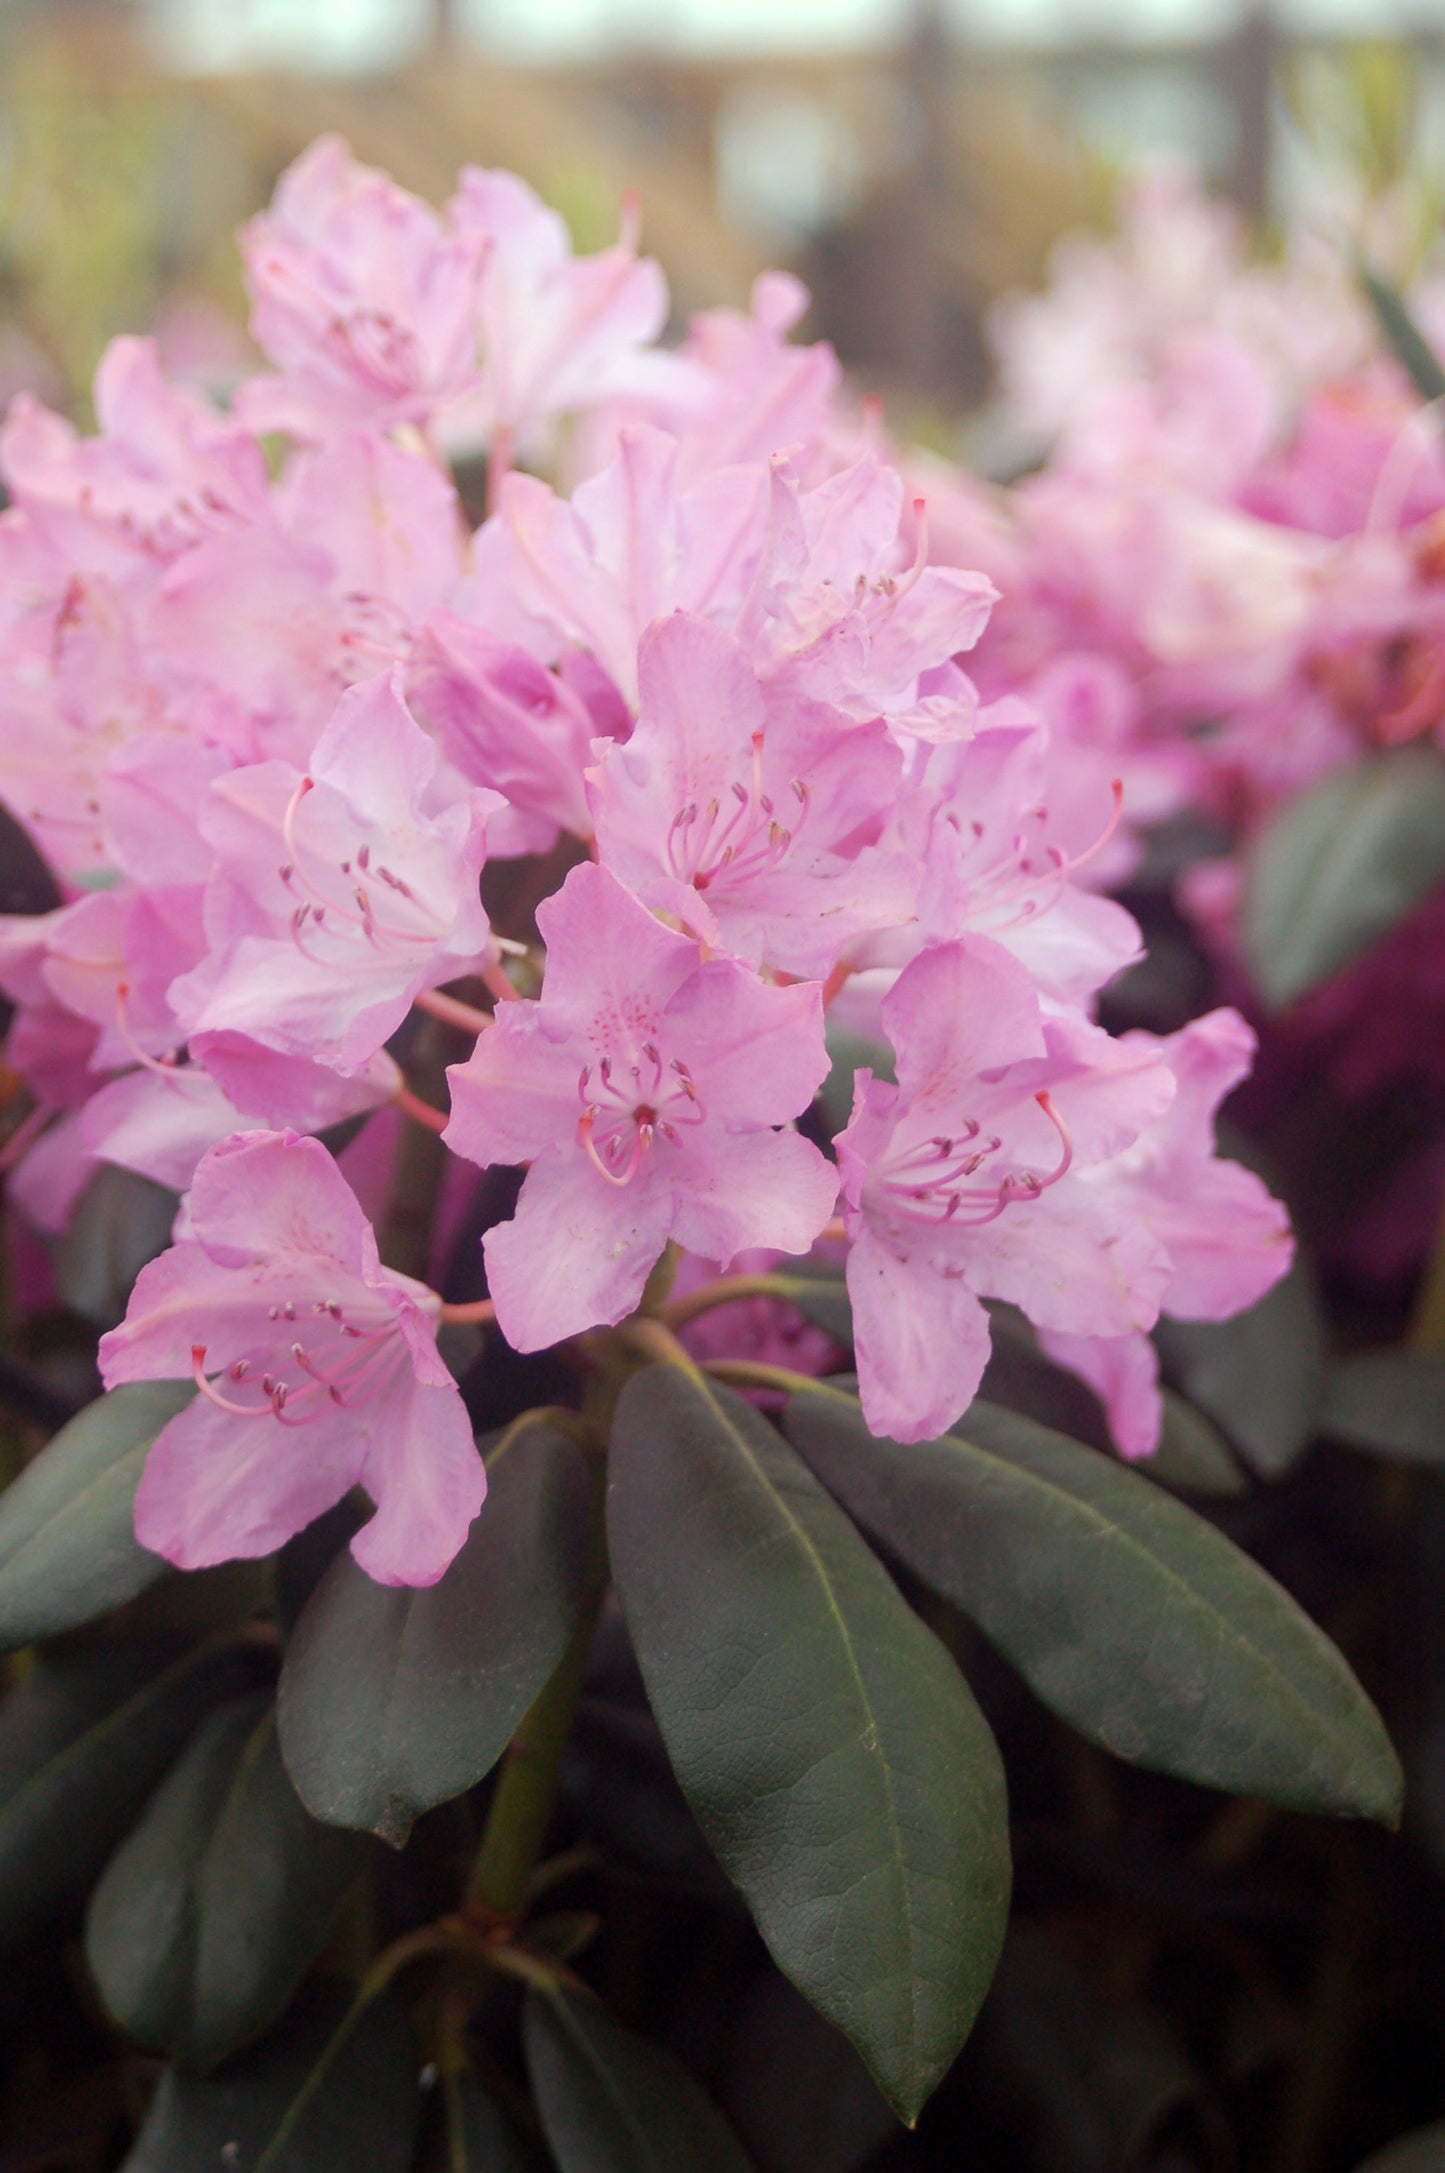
1228, 565
695, 711
1224, 574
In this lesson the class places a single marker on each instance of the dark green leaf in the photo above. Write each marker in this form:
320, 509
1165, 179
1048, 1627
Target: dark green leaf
1420, 2152
68, 1549
214, 1907
1389, 1401
611, 2103
1340, 866
83, 1741
820, 1295
1128, 1614
120, 1222
1192, 1455
393, 1700
1261, 1375
466, 2133
828, 1746
1416, 357
330, 2092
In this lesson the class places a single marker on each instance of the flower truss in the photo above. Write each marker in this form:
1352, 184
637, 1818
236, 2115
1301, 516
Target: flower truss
269, 732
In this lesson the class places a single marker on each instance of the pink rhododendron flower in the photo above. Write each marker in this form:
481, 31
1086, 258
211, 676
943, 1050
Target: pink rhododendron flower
166, 469
963, 1182
505, 720
627, 548
361, 296
558, 332
753, 820
834, 614
317, 1368
646, 1088
1123, 1372
736, 392
389, 521
336, 896
1228, 1241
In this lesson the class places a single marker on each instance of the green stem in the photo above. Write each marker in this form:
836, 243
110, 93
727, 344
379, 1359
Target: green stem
726, 1291
521, 1804
506, 1860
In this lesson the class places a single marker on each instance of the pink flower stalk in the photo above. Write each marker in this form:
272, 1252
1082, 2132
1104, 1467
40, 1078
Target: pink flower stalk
963, 1182
753, 820
646, 1088
317, 1370
367, 304
337, 896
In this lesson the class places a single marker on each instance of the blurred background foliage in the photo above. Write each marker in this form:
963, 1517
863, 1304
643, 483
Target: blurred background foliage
913, 161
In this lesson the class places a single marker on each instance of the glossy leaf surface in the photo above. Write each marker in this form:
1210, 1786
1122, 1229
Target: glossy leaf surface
829, 1748
1128, 1614
213, 1908
393, 1700
68, 1549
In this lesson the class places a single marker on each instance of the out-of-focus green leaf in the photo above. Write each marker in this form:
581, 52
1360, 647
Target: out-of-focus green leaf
829, 1748
1128, 1614
393, 1700
68, 1549
213, 1908
1390, 1401
120, 1222
820, 1295
1260, 1376
1340, 866
611, 2103
1416, 357
1423, 2151
1193, 1455
332, 2091
83, 1741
